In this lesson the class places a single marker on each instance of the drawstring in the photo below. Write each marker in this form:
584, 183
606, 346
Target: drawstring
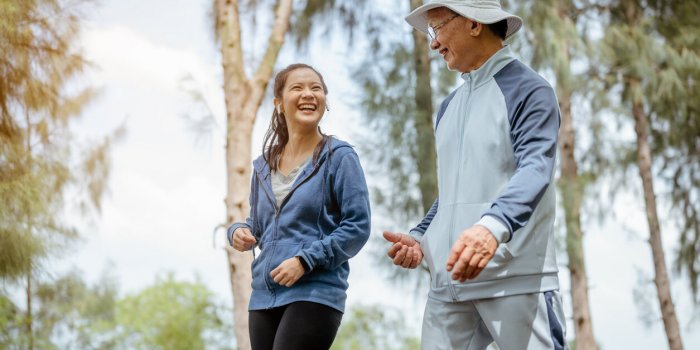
254, 210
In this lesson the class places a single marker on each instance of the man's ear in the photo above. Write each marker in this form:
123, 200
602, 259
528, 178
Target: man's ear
475, 28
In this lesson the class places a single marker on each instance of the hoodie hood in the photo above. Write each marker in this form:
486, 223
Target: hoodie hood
262, 168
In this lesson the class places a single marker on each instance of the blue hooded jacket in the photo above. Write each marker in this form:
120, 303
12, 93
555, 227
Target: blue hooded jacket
324, 220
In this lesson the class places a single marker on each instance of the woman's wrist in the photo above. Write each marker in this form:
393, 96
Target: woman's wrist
303, 263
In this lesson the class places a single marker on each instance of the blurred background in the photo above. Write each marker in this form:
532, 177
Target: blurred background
116, 116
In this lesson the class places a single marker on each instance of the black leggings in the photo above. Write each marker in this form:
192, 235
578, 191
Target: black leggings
299, 325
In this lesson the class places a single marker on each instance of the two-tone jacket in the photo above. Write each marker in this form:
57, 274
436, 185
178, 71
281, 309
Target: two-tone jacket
324, 220
496, 141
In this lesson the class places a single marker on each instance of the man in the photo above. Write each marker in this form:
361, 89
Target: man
488, 239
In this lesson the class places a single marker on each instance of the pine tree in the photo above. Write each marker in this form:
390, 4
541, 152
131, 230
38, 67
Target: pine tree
554, 42
40, 161
632, 59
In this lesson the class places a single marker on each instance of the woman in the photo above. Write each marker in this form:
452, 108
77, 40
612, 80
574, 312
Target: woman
309, 215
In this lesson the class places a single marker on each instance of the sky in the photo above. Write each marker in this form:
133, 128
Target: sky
168, 182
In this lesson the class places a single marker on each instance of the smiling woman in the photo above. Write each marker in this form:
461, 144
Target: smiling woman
309, 215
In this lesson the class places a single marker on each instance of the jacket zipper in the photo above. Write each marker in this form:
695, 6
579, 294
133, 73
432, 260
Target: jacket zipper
267, 264
463, 121
278, 209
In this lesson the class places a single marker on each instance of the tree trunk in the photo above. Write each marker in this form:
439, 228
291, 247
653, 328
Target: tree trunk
243, 98
425, 135
668, 311
572, 191
30, 321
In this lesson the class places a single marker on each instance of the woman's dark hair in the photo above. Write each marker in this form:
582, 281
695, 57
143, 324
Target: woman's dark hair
277, 134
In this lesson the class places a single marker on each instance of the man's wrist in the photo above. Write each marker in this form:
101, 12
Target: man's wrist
495, 227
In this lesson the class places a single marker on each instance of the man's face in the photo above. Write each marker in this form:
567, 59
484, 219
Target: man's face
453, 40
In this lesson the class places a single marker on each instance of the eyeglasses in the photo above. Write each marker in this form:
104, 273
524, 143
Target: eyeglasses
433, 30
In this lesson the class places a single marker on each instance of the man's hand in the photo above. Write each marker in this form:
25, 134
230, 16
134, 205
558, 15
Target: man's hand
471, 252
288, 272
405, 251
242, 239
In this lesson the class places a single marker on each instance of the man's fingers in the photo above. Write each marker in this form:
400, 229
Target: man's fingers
400, 255
455, 252
472, 266
408, 260
417, 258
397, 237
390, 236
461, 264
394, 249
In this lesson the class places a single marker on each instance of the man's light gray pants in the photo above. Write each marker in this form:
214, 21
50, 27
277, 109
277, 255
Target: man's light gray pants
527, 321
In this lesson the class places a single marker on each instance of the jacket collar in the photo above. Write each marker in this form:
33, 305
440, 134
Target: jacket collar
492, 66
261, 167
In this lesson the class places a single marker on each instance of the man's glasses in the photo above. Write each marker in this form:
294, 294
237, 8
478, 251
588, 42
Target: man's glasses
433, 30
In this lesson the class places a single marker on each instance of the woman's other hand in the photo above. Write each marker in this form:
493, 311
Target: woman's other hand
243, 240
288, 272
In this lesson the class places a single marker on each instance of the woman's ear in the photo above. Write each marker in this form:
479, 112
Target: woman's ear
277, 104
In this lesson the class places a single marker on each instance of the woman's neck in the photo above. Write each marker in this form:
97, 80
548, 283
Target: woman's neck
301, 144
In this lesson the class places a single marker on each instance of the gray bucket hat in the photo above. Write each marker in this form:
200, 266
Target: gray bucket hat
482, 11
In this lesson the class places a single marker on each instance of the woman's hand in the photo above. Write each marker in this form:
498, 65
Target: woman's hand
288, 272
242, 239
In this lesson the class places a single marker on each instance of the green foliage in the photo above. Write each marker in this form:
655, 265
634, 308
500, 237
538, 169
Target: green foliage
656, 45
173, 315
11, 325
40, 161
372, 327
328, 13
387, 77
70, 314
676, 125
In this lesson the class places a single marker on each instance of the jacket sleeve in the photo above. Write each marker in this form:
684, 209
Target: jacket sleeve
353, 231
534, 131
249, 220
418, 231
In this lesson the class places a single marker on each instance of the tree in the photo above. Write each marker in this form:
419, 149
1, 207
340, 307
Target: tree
630, 38
675, 130
243, 97
68, 314
554, 41
397, 77
40, 161
371, 327
172, 314
398, 104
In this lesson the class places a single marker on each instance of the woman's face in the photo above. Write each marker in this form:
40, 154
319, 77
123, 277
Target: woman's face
303, 100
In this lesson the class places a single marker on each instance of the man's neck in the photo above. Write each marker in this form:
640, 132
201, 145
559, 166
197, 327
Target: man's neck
489, 48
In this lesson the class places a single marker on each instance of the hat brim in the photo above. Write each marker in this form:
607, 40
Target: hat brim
418, 18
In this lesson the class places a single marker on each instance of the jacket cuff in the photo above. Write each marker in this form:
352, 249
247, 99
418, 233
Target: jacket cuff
231, 229
417, 235
305, 262
497, 229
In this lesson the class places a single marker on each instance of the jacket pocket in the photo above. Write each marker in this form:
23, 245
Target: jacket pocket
270, 257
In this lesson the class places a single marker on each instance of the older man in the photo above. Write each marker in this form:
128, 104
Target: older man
488, 239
